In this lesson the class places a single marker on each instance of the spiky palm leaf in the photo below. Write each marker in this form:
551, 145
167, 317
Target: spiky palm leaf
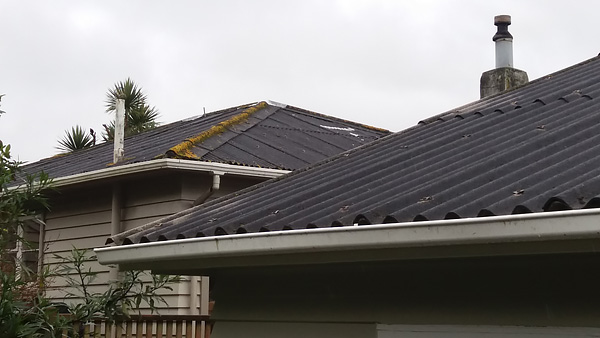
1, 111
138, 121
141, 119
127, 90
75, 139
139, 116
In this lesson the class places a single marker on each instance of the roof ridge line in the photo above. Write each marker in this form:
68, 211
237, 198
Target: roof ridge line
276, 104
487, 98
310, 131
366, 126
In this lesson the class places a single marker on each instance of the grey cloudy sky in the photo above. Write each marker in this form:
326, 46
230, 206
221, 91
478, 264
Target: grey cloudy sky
383, 63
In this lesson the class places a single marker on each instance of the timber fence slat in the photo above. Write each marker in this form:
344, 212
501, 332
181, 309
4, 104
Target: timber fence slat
178, 329
145, 326
170, 329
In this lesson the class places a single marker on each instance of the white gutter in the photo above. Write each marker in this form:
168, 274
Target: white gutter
535, 227
168, 163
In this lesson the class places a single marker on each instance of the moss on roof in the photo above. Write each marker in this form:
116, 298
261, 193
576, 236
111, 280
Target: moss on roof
184, 149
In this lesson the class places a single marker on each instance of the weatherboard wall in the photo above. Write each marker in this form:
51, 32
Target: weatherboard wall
81, 217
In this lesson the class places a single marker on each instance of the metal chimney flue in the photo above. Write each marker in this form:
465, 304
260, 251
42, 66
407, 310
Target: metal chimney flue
504, 42
504, 76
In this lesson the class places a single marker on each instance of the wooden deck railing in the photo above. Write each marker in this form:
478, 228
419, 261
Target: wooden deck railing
146, 326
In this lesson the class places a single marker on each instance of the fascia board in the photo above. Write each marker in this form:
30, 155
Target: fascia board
152, 165
261, 247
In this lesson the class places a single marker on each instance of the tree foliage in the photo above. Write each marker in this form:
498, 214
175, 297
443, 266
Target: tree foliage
128, 293
1, 111
25, 311
76, 139
139, 115
137, 121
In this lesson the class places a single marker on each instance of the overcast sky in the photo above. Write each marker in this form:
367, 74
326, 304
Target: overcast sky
383, 63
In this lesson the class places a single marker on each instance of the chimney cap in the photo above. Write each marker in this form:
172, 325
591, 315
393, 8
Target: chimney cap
502, 19
502, 22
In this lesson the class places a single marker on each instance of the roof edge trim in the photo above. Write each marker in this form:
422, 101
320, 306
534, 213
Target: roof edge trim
167, 163
524, 228
276, 104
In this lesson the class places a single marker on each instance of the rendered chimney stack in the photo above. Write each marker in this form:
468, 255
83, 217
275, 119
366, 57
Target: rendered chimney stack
504, 77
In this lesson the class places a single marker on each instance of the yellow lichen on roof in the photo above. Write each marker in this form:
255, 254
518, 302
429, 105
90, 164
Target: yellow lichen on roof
184, 149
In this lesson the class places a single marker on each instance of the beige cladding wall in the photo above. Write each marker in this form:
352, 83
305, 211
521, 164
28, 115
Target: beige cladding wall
81, 217
78, 218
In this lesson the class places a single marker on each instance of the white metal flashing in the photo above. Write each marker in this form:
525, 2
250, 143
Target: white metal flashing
536, 227
168, 163
276, 104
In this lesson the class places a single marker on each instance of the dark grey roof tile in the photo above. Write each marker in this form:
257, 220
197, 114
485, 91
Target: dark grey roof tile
223, 139
532, 149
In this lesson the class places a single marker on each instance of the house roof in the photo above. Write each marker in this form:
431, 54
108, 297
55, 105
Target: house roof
264, 134
532, 149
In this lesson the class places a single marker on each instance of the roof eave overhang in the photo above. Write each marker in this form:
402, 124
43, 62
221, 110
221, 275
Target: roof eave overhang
167, 163
537, 233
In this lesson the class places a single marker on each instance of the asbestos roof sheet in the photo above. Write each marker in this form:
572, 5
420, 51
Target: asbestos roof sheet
532, 149
262, 135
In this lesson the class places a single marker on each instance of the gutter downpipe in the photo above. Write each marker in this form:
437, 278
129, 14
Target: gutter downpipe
203, 310
115, 222
118, 154
216, 185
41, 241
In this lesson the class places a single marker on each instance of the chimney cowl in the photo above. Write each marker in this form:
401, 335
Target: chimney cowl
502, 22
504, 76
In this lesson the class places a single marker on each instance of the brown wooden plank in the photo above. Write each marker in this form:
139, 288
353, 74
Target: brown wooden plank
169, 329
128, 329
119, 329
178, 329
97, 328
149, 327
139, 327
208, 329
188, 328
198, 329
159, 328
108, 330
76, 328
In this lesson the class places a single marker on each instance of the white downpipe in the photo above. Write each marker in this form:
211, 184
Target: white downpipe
115, 222
194, 295
204, 287
119, 137
216, 184
204, 292
41, 243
